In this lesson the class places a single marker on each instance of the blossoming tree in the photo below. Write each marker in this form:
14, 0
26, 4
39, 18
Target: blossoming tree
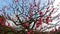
30, 17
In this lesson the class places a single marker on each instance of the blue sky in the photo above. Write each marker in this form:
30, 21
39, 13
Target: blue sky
6, 3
